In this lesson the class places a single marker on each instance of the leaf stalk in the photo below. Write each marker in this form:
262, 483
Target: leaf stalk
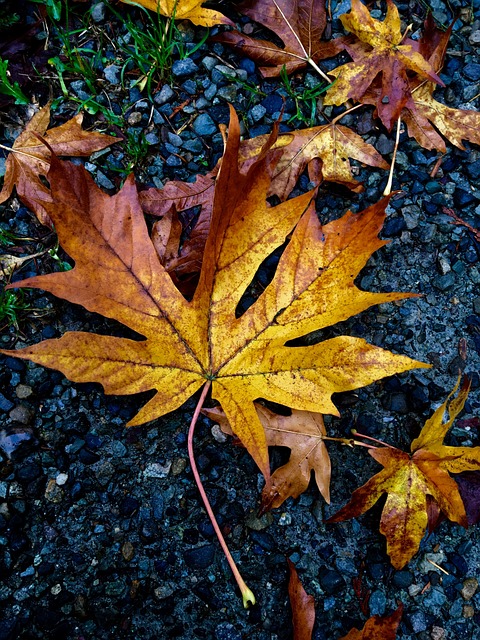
247, 595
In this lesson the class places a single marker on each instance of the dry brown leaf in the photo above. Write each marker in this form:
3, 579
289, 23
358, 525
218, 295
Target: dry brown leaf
422, 111
303, 606
183, 262
298, 23
424, 116
30, 158
303, 433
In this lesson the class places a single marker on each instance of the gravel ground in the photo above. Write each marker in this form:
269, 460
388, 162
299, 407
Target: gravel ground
102, 531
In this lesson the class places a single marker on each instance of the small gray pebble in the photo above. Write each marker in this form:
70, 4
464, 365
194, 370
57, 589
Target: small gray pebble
174, 139
203, 125
174, 161
211, 92
182, 68
152, 138
228, 93
377, 603
103, 181
209, 63
257, 112
165, 94
445, 282
201, 103
98, 12
112, 73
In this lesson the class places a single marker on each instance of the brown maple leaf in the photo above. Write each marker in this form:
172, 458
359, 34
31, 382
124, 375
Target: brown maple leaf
424, 116
182, 261
303, 606
422, 111
303, 433
184, 10
378, 627
331, 143
188, 344
298, 23
409, 478
380, 51
30, 158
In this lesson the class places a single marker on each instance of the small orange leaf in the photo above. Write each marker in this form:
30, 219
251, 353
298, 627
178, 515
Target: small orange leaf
184, 10
30, 158
378, 628
332, 144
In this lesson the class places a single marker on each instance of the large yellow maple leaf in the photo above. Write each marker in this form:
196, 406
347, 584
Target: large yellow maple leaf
408, 478
184, 10
187, 343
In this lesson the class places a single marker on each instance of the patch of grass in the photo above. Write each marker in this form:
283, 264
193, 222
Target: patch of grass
7, 18
136, 148
305, 100
12, 303
8, 88
61, 265
53, 7
8, 238
149, 46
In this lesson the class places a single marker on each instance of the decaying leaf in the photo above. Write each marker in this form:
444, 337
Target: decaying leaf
182, 262
30, 158
378, 627
303, 606
302, 432
187, 343
184, 10
9, 262
380, 51
332, 144
298, 23
409, 478
424, 115
422, 111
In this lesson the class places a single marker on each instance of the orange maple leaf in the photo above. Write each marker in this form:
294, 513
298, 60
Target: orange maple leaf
117, 273
330, 144
378, 628
409, 478
380, 51
30, 159
184, 10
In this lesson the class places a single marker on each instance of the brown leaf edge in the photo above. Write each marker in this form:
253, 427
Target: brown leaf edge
378, 627
303, 606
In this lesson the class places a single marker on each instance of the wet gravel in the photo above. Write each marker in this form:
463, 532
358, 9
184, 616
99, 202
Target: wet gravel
102, 531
